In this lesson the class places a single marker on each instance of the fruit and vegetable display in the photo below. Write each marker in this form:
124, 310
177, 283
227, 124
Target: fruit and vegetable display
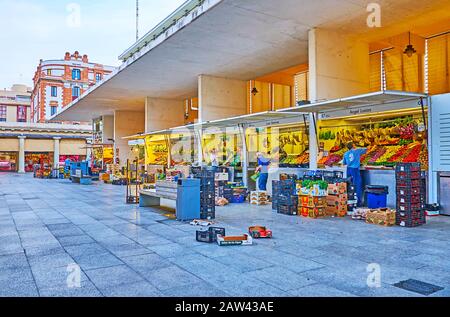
156, 152
387, 143
294, 149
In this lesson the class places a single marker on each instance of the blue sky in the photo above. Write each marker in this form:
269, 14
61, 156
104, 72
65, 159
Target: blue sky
31, 30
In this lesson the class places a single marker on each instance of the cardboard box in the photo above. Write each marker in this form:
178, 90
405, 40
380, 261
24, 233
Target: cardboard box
313, 201
336, 189
381, 217
338, 211
312, 212
336, 200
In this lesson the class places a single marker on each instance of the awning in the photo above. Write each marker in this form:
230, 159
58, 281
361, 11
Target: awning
267, 118
366, 100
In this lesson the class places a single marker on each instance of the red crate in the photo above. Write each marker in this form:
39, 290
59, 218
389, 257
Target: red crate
410, 214
408, 175
409, 191
403, 199
412, 183
408, 167
410, 206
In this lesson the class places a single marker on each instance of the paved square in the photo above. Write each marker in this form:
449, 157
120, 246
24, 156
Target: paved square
46, 226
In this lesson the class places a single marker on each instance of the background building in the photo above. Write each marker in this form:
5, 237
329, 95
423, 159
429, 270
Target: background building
59, 82
15, 104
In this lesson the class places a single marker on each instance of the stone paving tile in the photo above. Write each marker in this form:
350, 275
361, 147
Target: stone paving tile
108, 278
97, 261
281, 278
85, 249
43, 250
56, 278
128, 250
171, 277
87, 290
13, 261
49, 262
146, 263
243, 263
75, 240
17, 282
170, 250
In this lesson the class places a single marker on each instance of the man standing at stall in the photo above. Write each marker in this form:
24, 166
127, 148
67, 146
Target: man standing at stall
352, 159
263, 169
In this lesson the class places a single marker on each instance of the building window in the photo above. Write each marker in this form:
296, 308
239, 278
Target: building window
54, 91
53, 110
76, 74
75, 92
49, 72
2, 113
21, 114
98, 77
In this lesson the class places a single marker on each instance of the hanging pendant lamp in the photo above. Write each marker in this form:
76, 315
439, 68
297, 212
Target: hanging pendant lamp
409, 50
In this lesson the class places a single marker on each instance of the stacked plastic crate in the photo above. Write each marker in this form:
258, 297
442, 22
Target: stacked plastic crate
411, 194
207, 194
275, 194
287, 203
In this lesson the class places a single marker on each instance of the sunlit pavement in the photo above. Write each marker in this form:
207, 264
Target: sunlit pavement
49, 228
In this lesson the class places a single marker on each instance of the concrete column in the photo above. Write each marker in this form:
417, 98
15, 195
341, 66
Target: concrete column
339, 65
163, 114
126, 123
313, 150
56, 153
221, 98
108, 129
22, 154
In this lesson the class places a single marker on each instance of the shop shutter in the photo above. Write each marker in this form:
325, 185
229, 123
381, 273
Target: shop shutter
282, 96
393, 69
402, 72
375, 72
261, 101
440, 125
301, 86
438, 64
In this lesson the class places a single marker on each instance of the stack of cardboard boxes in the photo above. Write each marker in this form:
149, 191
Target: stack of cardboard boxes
337, 200
259, 198
312, 206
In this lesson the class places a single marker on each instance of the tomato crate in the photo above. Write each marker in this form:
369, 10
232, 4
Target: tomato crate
408, 167
408, 214
287, 210
410, 222
408, 175
288, 200
409, 191
410, 206
274, 205
409, 183
414, 199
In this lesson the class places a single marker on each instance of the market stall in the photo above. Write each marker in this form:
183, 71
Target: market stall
42, 159
390, 126
8, 161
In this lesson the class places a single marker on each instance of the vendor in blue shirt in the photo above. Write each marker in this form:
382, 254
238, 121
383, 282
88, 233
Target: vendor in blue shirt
352, 159
263, 169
